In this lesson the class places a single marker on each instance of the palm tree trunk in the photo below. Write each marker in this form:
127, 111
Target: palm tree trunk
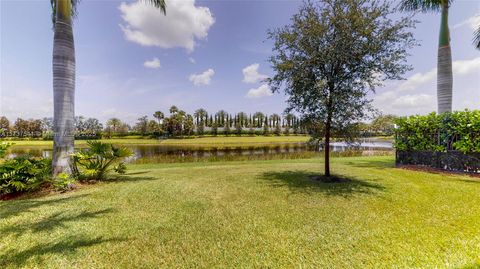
63, 89
327, 147
444, 65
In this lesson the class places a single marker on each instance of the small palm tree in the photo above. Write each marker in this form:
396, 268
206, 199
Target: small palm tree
444, 64
63, 12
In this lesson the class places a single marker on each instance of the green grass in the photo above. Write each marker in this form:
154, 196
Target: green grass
261, 214
198, 141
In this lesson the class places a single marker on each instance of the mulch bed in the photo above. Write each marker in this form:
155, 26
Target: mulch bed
436, 170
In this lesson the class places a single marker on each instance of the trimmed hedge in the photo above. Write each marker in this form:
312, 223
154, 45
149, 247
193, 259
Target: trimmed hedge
459, 131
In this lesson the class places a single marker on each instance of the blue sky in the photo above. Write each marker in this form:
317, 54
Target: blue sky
132, 61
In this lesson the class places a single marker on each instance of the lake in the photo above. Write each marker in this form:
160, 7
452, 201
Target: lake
169, 153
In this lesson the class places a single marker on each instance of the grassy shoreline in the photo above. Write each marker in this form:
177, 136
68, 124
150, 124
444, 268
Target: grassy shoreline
197, 141
251, 214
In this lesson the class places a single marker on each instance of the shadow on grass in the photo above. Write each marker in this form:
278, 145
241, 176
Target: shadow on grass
300, 181
52, 222
136, 173
129, 178
15, 207
69, 245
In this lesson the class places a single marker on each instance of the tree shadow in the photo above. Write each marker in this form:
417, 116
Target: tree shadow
54, 221
15, 207
300, 181
68, 245
137, 173
129, 178
366, 163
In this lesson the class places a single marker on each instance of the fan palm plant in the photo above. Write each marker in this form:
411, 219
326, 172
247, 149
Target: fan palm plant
444, 62
63, 12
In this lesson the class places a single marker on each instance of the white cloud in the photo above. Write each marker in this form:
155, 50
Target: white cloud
251, 75
417, 79
182, 26
417, 95
466, 66
153, 63
472, 22
203, 78
259, 92
414, 101
460, 67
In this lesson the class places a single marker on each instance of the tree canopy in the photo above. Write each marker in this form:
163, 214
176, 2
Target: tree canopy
332, 55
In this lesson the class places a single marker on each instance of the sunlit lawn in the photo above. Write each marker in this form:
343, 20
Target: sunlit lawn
263, 214
202, 141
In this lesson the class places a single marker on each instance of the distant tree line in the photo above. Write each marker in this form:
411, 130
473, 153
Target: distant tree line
179, 123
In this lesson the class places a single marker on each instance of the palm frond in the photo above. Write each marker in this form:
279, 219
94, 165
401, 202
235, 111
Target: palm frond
476, 38
422, 5
160, 4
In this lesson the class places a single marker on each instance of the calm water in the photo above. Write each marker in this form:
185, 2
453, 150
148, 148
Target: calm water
151, 151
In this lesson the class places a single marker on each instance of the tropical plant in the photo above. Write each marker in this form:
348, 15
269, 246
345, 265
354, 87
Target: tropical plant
98, 159
444, 64
64, 80
328, 60
3, 148
24, 173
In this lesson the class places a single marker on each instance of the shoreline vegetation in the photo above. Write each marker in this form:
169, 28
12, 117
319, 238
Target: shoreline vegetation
192, 140
212, 141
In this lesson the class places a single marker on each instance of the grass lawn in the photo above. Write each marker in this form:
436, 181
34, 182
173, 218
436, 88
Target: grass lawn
198, 141
263, 214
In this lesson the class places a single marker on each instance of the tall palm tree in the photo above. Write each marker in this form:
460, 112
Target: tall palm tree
221, 115
444, 62
63, 12
114, 124
159, 116
200, 115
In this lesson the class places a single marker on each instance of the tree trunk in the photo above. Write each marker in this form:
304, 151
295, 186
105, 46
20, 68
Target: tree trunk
327, 148
444, 65
63, 89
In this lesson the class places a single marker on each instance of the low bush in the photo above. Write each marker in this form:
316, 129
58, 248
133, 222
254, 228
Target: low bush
98, 160
24, 173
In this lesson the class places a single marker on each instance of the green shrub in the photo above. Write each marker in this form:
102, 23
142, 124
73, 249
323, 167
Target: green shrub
24, 173
459, 130
3, 148
97, 160
63, 182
